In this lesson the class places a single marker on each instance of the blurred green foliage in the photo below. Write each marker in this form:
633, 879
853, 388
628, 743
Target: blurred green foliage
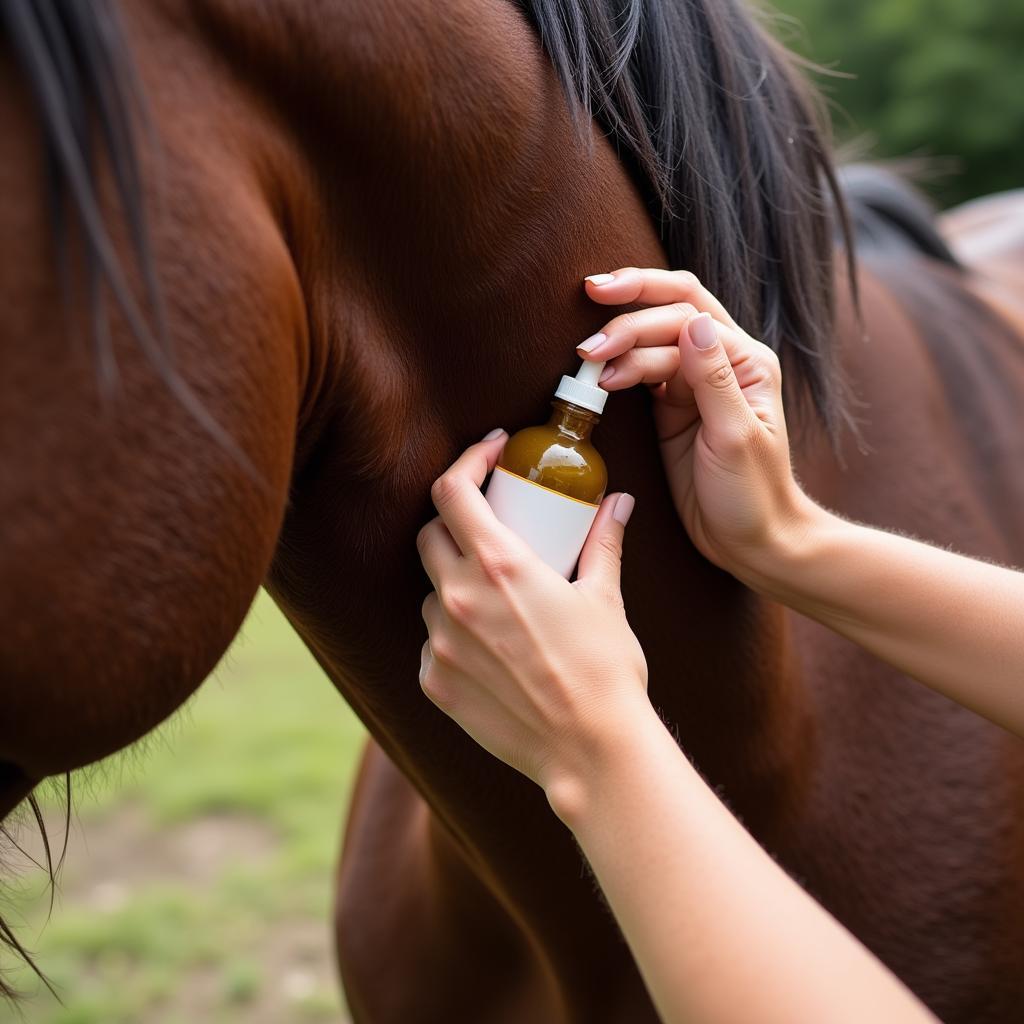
931, 78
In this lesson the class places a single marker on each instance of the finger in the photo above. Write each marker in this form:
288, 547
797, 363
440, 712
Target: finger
655, 287
707, 367
643, 328
457, 497
436, 681
641, 366
756, 369
425, 660
431, 611
601, 557
675, 408
438, 551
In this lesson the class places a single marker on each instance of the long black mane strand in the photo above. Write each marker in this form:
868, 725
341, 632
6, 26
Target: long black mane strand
77, 64
729, 146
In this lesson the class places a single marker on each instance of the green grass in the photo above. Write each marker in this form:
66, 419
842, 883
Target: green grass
203, 887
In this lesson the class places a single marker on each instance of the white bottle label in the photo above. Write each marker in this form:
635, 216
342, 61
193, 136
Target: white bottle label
553, 524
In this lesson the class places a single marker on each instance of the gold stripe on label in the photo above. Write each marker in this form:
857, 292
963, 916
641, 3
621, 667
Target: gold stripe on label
550, 490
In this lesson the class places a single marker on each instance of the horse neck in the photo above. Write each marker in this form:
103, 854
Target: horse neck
442, 261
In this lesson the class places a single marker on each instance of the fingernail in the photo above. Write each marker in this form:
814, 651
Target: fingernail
493, 435
594, 341
606, 374
623, 508
600, 279
702, 332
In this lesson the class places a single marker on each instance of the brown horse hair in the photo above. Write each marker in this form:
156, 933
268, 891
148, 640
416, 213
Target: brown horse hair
75, 62
707, 111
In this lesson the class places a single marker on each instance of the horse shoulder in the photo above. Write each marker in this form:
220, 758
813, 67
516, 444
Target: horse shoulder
158, 526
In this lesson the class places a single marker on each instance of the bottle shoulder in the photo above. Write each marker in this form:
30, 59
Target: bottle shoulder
554, 460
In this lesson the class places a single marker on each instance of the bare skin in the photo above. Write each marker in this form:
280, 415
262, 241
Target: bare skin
719, 931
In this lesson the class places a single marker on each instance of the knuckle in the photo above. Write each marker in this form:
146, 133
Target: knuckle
628, 323
457, 605
427, 608
772, 364
438, 690
443, 489
423, 537
608, 545
720, 377
664, 364
684, 310
497, 564
688, 278
442, 650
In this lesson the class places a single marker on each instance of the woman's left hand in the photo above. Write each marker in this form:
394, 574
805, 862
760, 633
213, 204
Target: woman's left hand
541, 672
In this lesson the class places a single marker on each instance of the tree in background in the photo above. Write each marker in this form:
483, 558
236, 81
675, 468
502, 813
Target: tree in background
932, 78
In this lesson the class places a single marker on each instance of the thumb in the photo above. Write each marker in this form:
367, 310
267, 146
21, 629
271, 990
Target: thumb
601, 557
708, 370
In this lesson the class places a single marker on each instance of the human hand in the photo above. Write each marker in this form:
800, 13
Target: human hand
718, 411
543, 673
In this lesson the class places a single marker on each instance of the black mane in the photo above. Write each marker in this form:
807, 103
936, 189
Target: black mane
707, 111
75, 62
729, 148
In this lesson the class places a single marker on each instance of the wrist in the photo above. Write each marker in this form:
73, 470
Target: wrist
577, 788
775, 568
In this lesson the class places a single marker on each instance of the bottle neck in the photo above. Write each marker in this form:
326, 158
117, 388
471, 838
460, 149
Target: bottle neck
572, 420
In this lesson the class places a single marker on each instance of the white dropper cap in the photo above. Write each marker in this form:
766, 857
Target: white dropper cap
582, 389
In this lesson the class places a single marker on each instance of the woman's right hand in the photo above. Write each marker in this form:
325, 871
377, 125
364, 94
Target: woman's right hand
718, 410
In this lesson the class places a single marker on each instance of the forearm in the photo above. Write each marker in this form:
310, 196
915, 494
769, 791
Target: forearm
954, 623
720, 932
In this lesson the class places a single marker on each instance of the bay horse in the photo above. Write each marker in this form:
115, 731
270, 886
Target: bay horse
267, 267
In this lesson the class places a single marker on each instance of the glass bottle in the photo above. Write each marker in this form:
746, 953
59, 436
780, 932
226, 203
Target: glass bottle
550, 479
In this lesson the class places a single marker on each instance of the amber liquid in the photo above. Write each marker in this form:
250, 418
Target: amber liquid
559, 455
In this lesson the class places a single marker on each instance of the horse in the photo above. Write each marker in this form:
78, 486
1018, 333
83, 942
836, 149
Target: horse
268, 267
